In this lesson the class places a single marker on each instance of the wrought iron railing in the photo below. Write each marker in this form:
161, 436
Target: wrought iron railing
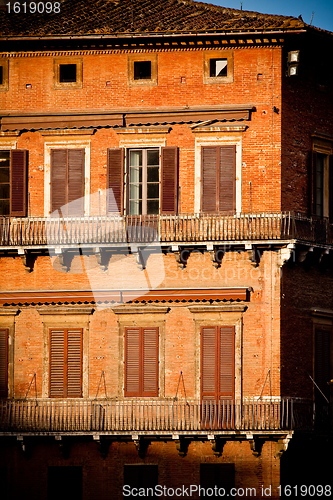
133, 415
182, 228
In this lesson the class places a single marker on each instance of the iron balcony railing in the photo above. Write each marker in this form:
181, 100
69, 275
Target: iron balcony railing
147, 229
79, 415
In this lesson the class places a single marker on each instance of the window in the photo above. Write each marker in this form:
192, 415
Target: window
64, 482
218, 67
141, 362
142, 69
3, 362
140, 476
218, 192
13, 182
322, 183
65, 363
217, 362
219, 475
67, 73
322, 363
151, 180
3, 75
67, 181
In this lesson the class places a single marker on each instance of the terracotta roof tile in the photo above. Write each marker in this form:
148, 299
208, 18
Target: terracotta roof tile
116, 17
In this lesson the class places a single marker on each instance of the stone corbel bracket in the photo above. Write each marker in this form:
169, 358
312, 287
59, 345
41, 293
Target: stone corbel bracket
181, 255
141, 445
281, 445
217, 444
216, 255
28, 259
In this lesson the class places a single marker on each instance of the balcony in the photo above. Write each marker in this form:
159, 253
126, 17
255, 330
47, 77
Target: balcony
182, 229
157, 417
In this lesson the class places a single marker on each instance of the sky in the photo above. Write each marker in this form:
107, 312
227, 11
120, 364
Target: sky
322, 9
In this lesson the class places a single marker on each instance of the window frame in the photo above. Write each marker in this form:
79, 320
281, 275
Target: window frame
141, 362
218, 54
57, 84
324, 148
133, 58
4, 86
144, 181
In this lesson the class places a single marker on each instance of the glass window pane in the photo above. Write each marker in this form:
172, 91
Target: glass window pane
152, 174
4, 158
153, 157
4, 207
4, 174
218, 67
142, 70
136, 174
152, 207
135, 158
152, 191
4, 191
135, 191
135, 207
67, 73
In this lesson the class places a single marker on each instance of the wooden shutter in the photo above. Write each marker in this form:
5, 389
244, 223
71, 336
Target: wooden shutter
75, 162
226, 362
208, 363
313, 196
59, 185
115, 180
18, 182
141, 362
227, 178
150, 362
132, 362
209, 157
3, 362
66, 363
67, 181
169, 176
217, 362
218, 179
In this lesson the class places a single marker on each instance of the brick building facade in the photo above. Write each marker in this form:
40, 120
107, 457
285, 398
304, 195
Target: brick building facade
166, 279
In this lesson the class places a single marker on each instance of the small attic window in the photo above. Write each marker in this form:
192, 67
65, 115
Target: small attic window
142, 69
67, 73
218, 66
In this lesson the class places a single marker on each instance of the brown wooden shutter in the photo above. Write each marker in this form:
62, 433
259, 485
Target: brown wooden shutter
209, 156
227, 178
66, 363
169, 176
115, 180
217, 362
74, 363
18, 182
226, 362
208, 363
218, 179
132, 361
313, 197
67, 181
3, 362
75, 181
150, 362
59, 182
141, 362
57, 363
